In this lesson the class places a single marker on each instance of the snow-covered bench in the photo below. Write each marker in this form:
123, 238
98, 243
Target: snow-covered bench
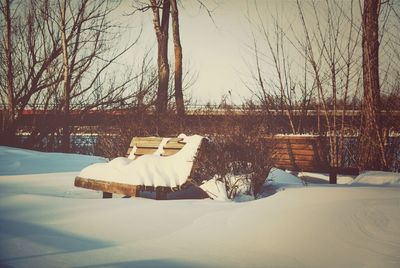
152, 164
305, 153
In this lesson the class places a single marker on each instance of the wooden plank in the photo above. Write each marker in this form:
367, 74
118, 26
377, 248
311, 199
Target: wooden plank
142, 151
302, 164
297, 146
147, 145
296, 157
295, 152
138, 140
170, 145
152, 140
168, 152
107, 186
295, 138
174, 145
304, 168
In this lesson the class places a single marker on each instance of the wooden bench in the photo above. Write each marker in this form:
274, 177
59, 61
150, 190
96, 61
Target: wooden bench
138, 147
306, 153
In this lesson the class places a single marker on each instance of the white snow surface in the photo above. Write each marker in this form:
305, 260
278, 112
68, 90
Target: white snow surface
378, 178
215, 189
150, 170
281, 178
20, 161
47, 222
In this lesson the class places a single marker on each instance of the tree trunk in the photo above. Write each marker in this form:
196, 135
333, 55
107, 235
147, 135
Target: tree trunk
65, 140
180, 106
372, 154
161, 30
163, 76
9, 120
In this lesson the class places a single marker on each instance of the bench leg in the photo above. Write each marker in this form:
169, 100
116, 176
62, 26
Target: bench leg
333, 176
107, 195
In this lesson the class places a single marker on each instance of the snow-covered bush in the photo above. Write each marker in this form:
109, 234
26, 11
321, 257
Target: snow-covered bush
240, 161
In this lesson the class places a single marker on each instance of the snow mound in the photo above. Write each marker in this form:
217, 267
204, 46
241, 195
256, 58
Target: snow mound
323, 178
15, 161
215, 189
279, 180
278, 177
378, 178
150, 170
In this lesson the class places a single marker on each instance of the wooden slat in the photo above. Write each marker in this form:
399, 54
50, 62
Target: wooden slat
116, 187
136, 140
142, 151
151, 140
305, 139
107, 186
304, 168
296, 157
294, 152
148, 145
174, 145
299, 146
168, 152
169, 145
300, 161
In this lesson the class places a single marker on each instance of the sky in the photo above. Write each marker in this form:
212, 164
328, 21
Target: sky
215, 50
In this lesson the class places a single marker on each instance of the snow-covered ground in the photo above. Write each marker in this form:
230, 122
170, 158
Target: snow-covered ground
47, 222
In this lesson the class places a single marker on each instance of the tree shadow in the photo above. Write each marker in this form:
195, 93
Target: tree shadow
60, 242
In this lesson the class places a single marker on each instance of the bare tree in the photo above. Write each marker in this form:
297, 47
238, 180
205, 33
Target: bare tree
180, 106
372, 152
7, 41
65, 142
161, 26
62, 60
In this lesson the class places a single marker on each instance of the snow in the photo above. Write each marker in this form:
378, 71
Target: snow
20, 161
215, 189
378, 178
47, 222
321, 178
282, 178
149, 170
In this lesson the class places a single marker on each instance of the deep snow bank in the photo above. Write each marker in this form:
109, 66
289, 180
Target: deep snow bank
298, 227
339, 226
378, 178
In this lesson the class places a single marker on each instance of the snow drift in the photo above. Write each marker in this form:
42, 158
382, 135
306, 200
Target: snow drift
378, 178
20, 161
46, 222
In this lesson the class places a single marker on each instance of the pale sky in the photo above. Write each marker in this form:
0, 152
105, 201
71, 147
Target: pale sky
215, 50
218, 51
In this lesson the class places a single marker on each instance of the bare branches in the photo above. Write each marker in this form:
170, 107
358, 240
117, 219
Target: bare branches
65, 42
